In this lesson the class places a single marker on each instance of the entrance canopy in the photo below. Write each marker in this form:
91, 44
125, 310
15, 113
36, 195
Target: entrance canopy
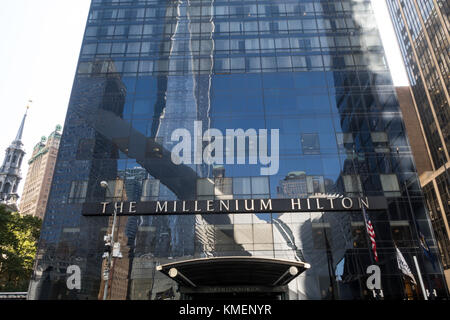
233, 271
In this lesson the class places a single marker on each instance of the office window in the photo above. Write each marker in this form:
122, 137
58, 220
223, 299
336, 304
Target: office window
85, 149
389, 182
133, 48
205, 188
315, 184
242, 186
238, 63
359, 235
253, 64
78, 190
345, 140
150, 190
222, 45
284, 62
380, 142
321, 233
224, 235
115, 190
267, 43
243, 233
146, 66
269, 63
299, 62
310, 143
304, 44
401, 233
263, 236
89, 48
251, 26
282, 43
260, 185
352, 183
223, 188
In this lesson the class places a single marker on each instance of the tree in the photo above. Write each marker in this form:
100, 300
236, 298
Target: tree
18, 243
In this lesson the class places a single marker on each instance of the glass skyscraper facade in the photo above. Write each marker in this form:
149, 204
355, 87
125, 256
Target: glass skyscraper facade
313, 70
422, 28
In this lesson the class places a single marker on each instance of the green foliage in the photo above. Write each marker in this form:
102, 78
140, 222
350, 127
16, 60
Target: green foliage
18, 243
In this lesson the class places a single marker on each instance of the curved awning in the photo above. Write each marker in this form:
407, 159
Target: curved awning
233, 271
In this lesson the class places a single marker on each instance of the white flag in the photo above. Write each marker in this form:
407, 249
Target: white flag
403, 266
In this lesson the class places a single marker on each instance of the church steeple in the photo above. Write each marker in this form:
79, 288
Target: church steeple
10, 174
20, 132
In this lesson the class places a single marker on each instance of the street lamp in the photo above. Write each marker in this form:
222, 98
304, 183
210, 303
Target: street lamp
109, 238
104, 184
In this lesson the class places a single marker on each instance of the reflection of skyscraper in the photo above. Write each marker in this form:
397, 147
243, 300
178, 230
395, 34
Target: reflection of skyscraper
39, 175
10, 174
98, 94
134, 179
309, 70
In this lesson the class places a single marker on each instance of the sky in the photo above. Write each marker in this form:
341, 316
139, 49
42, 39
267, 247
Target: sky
41, 41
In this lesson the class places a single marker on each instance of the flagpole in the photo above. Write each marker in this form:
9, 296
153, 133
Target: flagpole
419, 273
369, 242
420, 278
361, 194
330, 262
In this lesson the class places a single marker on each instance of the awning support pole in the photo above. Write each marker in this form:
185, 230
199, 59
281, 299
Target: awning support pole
292, 270
174, 272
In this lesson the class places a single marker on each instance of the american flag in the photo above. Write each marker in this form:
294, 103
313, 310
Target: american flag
371, 233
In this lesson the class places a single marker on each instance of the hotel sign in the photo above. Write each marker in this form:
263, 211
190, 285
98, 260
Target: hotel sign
234, 206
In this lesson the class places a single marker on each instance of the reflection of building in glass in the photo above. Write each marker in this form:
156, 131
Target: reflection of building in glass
293, 185
313, 70
10, 174
422, 29
298, 184
39, 175
136, 183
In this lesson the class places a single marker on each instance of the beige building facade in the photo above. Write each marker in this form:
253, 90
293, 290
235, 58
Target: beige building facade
39, 176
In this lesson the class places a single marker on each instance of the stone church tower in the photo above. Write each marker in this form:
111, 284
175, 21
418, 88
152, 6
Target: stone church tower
10, 174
